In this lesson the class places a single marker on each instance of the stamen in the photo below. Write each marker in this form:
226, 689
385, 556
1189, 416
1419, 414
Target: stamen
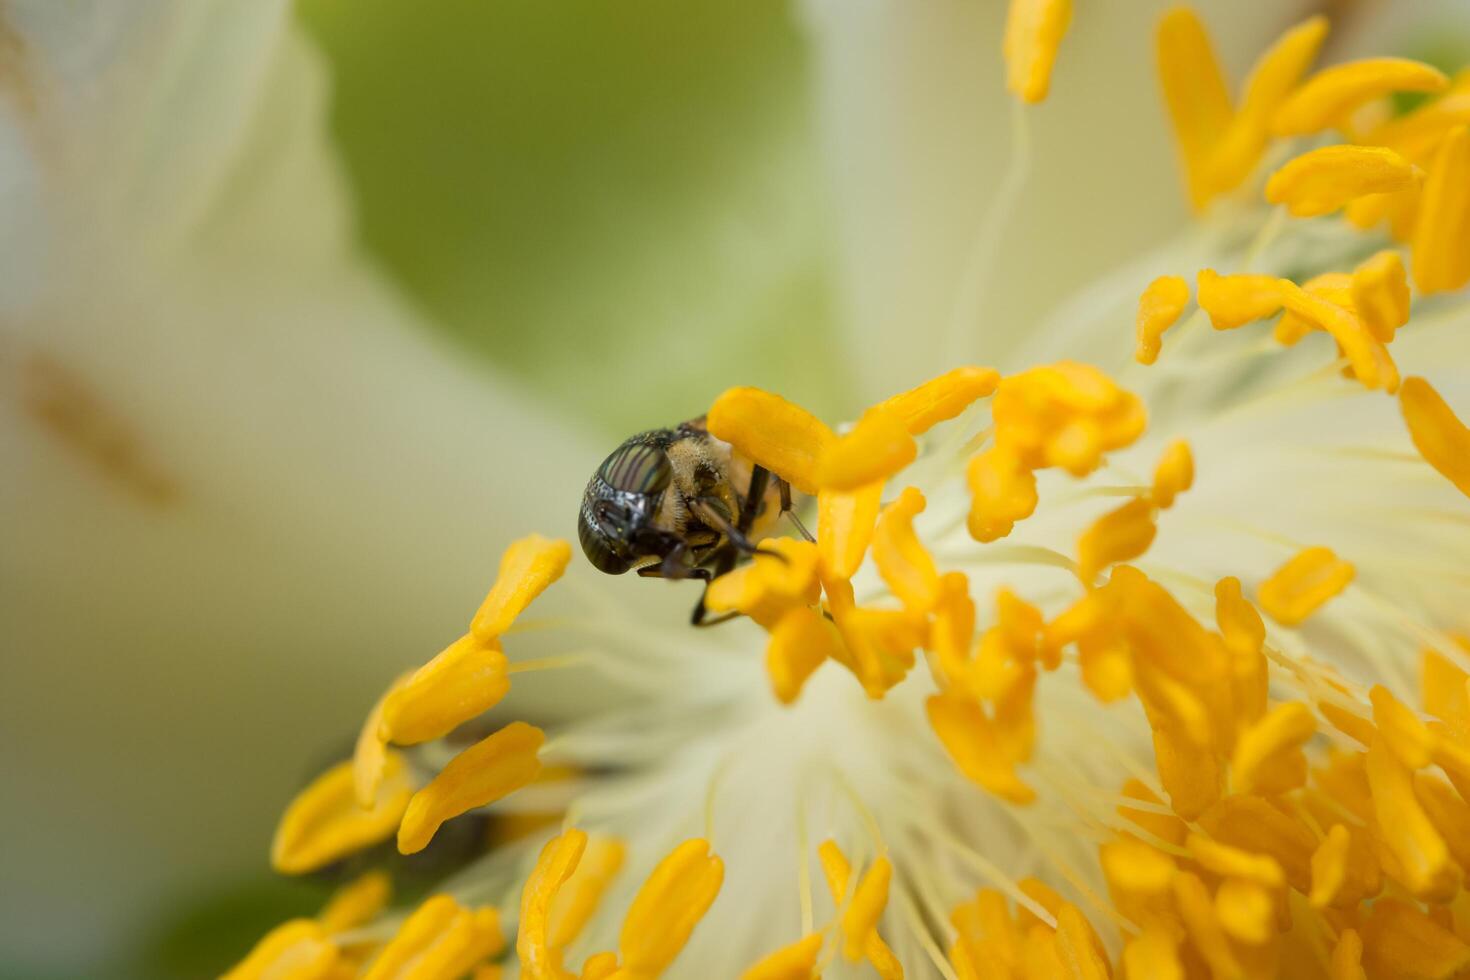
369, 756
783, 437
298, 948
1173, 475
577, 899
356, 902
1327, 178
441, 941
797, 961
941, 399
491, 768
467, 679
1196, 96
324, 822
1158, 308
1327, 98
528, 567
877, 447
1034, 32
801, 642
845, 522
539, 955
1300, 587
668, 907
902, 560
1441, 438
1381, 294
1428, 869
1268, 755
1235, 300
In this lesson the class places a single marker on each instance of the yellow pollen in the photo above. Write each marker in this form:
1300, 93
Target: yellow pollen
1441, 239
1203, 926
1196, 96
1326, 99
1347, 957
356, 902
1268, 756
1406, 736
465, 680
1370, 360
779, 435
441, 940
1158, 309
1300, 587
297, 950
1235, 300
1119, 535
1173, 475
1246, 910
845, 522
1077, 947
668, 907
324, 822
1428, 869
1153, 954
539, 954
797, 961
941, 399
527, 568
1380, 294
973, 743
877, 447
1272, 78
1399, 940
1441, 438
1329, 867
801, 642
580, 894
863, 909
1325, 179
369, 756
1002, 493
483, 773
1232, 862
600, 966
1033, 33
768, 587
901, 557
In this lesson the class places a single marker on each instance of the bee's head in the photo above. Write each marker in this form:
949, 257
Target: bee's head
620, 503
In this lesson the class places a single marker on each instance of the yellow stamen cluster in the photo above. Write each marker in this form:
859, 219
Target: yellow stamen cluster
802, 594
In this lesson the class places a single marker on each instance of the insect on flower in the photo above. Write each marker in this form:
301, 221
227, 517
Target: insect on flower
679, 503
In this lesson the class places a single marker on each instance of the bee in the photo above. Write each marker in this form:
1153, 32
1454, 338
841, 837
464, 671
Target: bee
679, 503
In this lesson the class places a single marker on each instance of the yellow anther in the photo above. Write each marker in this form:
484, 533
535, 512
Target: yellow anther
1235, 300
1246, 910
1119, 535
1449, 813
527, 568
1272, 78
1133, 867
1203, 927
1158, 308
1173, 475
845, 522
797, 961
1329, 867
600, 966
1428, 869
779, 435
1403, 732
1232, 862
558, 860
580, 894
668, 907
1441, 253
953, 627
483, 773
769, 586
1268, 756
1190, 773
971, 740
1196, 96
441, 940
324, 822
878, 644
1034, 32
1165, 826
801, 642
1244, 634
370, 754
1347, 957
901, 557
1003, 491
1326, 99
838, 873
1153, 953
356, 902
941, 399
1441, 438
877, 447
1401, 940
1081, 954
1323, 180
295, 950
860, 918
466, 679
1445, 689
1370, 360
1299, 587
1380, 294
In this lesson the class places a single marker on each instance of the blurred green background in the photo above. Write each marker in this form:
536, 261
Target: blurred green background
586, 191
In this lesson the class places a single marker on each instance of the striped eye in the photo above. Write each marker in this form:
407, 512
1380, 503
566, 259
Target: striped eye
637, 468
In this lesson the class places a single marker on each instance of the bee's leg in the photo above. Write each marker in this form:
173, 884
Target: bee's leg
723, 563
785, 489
755, 495
712, 516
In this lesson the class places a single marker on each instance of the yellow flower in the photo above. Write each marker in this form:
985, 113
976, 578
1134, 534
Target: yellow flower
1062, 740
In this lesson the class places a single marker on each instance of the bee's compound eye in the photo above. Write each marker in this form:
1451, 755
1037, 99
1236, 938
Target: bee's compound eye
598, 547
637, 468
